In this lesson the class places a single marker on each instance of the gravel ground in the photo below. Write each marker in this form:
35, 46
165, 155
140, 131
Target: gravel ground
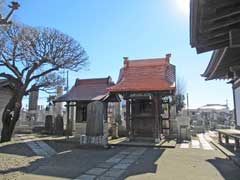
15, 159
18, 160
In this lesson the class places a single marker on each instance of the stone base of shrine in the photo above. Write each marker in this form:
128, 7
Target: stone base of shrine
143, 142
94, 140
80, 133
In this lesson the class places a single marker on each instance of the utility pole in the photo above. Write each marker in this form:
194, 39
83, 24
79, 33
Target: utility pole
67, 81
227, 103
187, 105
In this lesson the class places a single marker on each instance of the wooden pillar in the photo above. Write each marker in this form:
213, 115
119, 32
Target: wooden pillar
160, 111
226, 139
236, 145
128, 116
219, 137
156, 118
106, 112
131, 119
68, 120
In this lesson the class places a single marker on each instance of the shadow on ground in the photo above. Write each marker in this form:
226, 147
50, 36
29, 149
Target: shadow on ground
18, 148
70, 161
226, 168
146, 163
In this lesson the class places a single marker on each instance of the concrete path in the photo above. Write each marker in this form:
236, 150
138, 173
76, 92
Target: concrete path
40, 148
182, 164
113, 167
194, 160
203, 142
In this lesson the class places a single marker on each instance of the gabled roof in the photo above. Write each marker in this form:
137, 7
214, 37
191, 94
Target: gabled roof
146, 75
222, 64
88, 90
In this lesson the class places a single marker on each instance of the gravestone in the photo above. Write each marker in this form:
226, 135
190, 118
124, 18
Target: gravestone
95, 119
59, 125
49, 124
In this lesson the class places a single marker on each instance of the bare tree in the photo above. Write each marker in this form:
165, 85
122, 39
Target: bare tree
31, 59
180, 93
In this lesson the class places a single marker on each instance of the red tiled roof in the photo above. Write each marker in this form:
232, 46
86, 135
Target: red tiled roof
87, 90
146, 75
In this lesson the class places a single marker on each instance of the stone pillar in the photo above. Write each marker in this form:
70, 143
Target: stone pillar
116, 116
33, 107
59, 105
33, 100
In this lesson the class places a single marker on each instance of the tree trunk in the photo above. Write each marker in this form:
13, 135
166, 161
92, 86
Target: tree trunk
10, 116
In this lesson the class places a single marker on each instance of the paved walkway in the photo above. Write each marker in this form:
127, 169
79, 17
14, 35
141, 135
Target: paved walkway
201, 143
113, 167
194, 160
40, 148
182, 164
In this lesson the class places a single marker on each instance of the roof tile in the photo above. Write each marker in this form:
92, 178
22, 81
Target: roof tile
146, 75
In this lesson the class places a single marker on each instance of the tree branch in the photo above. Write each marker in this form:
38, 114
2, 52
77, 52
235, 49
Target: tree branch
9, 77
11, 67
43, 73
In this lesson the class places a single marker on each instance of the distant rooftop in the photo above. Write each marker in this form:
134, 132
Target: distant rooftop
214, 106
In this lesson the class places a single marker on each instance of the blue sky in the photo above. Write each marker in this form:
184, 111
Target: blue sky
111, 29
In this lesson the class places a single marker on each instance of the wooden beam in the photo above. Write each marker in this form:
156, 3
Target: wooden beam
222, 26
205, 39
214, 42
218, 4
223, 16
206, 48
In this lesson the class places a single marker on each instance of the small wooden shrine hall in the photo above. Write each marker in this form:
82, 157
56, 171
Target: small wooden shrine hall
84, 92
148, 86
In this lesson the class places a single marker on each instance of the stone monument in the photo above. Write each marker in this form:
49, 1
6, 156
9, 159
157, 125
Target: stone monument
95, 129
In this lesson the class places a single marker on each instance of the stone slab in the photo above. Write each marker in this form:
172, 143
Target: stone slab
132, 157
121, 166
127, 161
96, 171
119, 156
113, 160
106, 178
106, 165
113, 172
86, 177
